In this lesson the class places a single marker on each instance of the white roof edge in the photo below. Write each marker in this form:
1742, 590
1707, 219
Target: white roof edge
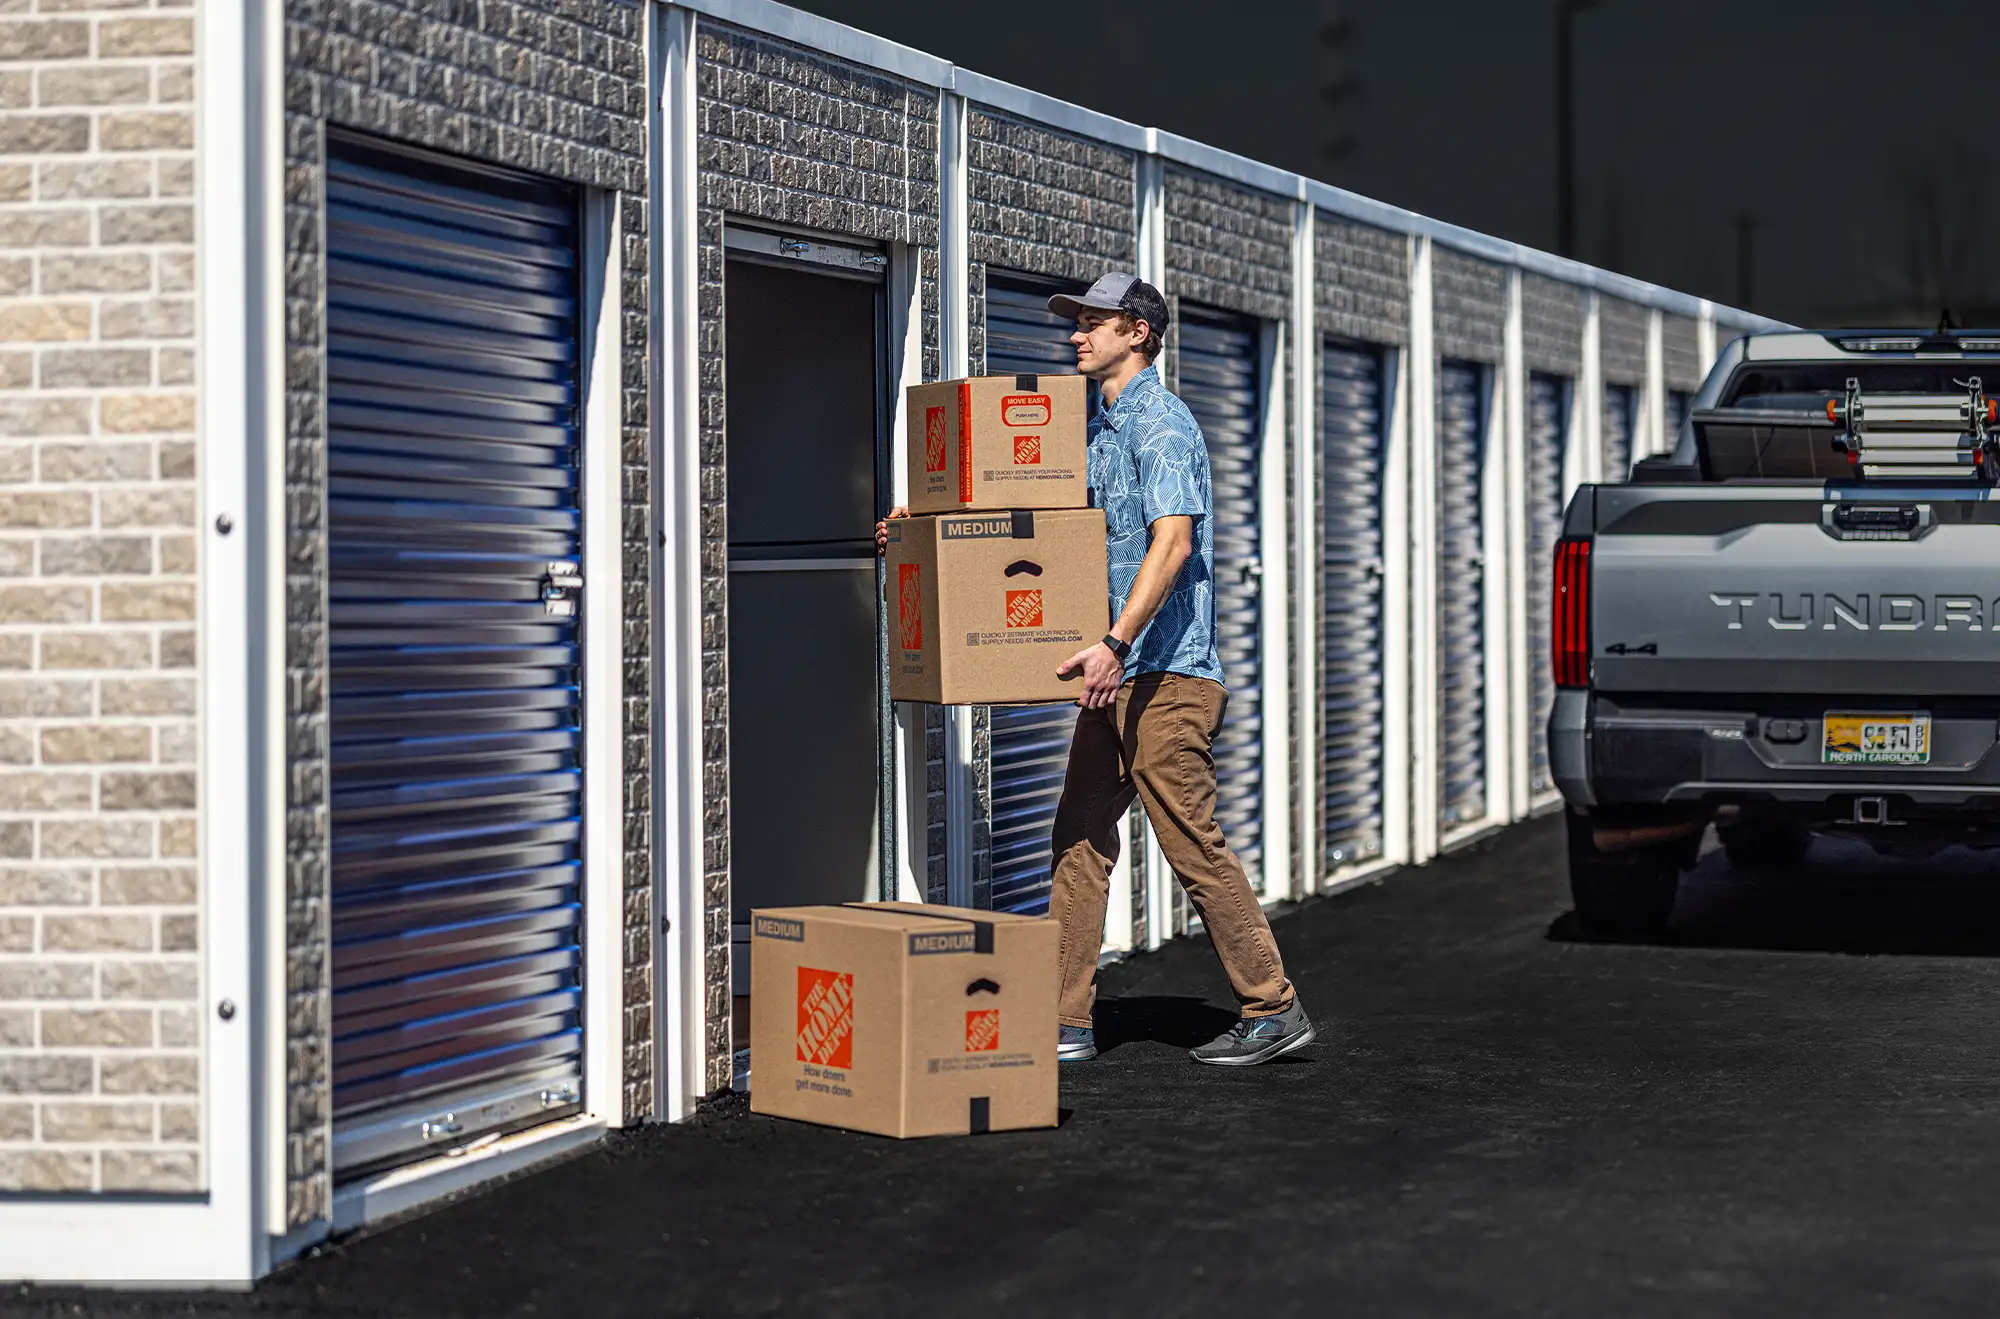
1228, 165
823, 34
870, 51
1008, 98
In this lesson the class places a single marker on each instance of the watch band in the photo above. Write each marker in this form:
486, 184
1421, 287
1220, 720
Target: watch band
1117, 647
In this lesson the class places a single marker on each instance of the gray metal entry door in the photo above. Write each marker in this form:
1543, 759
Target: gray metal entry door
453, 553
1351, 446
1029, 743
1218, 370
1461, 575
1548, 437
809, 811
1620, 413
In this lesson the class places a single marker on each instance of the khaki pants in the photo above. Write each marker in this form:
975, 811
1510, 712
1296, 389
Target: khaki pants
1154, 741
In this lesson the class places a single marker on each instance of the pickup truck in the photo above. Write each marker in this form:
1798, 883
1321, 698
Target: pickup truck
1789, 625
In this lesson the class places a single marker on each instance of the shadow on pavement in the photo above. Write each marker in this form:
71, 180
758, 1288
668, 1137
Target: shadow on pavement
1846, 900
1183, 1022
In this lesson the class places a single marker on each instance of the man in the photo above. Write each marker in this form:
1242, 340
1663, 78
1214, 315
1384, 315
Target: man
1152, 690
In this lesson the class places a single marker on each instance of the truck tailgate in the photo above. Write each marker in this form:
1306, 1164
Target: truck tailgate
1792, 590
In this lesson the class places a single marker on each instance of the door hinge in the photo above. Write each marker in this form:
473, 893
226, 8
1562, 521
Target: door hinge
562, 585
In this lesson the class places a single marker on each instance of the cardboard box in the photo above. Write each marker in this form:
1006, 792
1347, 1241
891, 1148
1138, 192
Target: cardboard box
903, 1019
983, 607
998, 442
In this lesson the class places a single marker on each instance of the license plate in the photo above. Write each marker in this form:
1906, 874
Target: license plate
1876, 739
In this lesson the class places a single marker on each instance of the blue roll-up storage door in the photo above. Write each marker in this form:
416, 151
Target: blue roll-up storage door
452, 351
1217, 366
1620, 414
1351, 446
1461, 576
1678, 403
1029, 743
1548, 435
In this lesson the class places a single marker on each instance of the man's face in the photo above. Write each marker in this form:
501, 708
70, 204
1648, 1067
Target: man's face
1101, 347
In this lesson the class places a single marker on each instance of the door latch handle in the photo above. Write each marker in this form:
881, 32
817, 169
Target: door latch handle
444, 1125
562, 586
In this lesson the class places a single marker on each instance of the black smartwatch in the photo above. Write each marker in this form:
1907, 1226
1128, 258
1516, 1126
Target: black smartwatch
1117, 647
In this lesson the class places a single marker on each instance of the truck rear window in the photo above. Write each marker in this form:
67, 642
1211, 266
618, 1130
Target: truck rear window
1790, 452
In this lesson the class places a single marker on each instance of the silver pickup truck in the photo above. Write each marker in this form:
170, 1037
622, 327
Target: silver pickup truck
1788, 625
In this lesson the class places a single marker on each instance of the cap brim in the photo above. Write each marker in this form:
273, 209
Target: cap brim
1069, 307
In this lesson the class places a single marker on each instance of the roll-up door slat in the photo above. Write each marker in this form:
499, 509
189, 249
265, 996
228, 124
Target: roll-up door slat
1218, 369
456, 789
1461, 577
1678, 403
1351, 627
1548, 436
1029, 743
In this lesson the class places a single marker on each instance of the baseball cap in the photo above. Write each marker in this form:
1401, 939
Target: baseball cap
1116, 291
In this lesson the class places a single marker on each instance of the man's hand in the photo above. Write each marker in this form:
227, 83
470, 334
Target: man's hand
882, 530
1102, 673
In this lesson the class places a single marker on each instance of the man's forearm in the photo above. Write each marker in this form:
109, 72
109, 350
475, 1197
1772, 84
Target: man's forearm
1163, 563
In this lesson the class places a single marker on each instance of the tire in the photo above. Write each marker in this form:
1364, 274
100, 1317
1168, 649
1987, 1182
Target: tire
1625, 895
1770, 847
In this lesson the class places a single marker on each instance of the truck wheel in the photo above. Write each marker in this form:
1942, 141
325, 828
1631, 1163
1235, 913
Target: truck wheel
1776, 847
1620, 895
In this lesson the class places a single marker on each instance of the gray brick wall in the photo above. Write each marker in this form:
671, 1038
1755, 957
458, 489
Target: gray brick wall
1228, 247
1469, 302
1681, 348
1361, 281
1621, 341
791, 137
1552, 316
549, 87
1046, 202
100, 881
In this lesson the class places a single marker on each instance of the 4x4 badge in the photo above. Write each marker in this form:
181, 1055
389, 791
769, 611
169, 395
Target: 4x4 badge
1620, 648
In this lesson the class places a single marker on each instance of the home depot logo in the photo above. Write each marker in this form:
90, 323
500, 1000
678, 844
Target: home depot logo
982, 1031
1027, 449
826, 1018
934, 439
910, 605
1024, 609
1025, 410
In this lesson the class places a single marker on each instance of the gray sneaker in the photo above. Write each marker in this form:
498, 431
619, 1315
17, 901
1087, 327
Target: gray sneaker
1076, 1044
1256, 1040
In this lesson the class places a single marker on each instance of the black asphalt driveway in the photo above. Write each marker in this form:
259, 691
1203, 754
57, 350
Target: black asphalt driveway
1790, 1107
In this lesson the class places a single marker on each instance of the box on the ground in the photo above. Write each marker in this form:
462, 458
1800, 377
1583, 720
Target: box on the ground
984, 607
903, 1019
997, 442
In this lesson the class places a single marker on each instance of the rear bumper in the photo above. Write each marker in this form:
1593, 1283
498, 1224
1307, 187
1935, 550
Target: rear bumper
1605, 751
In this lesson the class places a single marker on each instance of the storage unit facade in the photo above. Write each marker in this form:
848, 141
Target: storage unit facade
435, 524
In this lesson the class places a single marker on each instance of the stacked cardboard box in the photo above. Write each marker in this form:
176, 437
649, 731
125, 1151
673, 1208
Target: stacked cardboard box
999, 575
904, 1019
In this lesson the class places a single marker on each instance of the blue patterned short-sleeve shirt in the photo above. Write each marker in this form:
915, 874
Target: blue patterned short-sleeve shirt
1148, 461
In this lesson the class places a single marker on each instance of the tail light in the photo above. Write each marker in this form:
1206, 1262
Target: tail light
1571, 633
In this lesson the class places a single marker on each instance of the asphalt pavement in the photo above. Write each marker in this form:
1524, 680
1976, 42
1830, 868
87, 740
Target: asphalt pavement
1791, 1105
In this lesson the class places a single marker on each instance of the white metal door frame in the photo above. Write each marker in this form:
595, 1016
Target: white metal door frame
1302, 714
1274, 612
1419, 481
1507, 764
680, 964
